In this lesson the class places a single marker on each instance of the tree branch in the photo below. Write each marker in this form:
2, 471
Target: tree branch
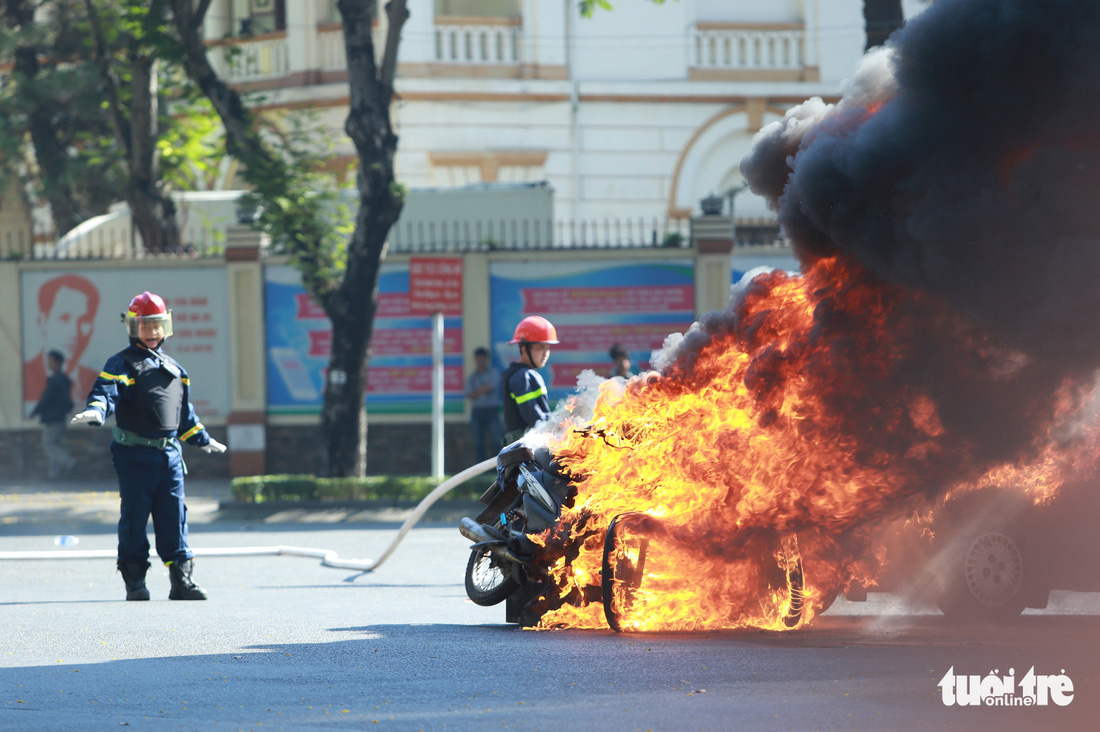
398, 12
110, 80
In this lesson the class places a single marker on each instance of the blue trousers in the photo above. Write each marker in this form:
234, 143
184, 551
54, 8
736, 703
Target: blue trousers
150, 483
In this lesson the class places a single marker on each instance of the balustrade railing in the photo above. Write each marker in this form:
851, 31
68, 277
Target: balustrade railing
477, 43
240, 60
719, 46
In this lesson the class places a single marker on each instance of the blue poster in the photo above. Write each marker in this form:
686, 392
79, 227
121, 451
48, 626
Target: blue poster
593, 305
746, 261
399, 381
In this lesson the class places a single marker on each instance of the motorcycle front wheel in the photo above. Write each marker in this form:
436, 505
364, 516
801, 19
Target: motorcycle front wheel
488, 581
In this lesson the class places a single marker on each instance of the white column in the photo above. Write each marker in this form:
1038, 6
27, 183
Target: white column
303, 49
418, 34
811, 19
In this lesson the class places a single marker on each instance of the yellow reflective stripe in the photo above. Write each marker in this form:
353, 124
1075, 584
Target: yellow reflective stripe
101, 405
186, 381
529, 395
194, 430
116, 377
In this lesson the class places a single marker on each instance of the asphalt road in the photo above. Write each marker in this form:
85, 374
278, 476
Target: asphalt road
285, 643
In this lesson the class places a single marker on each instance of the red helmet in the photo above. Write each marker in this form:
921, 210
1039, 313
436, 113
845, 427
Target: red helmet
535, 329
147, 308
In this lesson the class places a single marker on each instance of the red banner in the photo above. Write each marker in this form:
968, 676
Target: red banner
411, 379
641, 299
435, 285
564, 375
308, 309
632, 336
392, 342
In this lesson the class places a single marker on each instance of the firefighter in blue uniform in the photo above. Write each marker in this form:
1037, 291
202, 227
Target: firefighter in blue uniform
525, 397
149, 394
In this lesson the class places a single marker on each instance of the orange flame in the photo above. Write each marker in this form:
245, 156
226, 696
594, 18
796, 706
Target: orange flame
752, 443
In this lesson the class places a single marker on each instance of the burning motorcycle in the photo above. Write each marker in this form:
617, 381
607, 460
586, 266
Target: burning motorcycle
508, 562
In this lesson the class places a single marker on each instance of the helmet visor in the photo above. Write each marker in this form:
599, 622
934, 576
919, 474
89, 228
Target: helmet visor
149, 327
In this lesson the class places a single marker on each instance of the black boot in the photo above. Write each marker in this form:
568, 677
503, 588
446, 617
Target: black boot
133, 574
179, 573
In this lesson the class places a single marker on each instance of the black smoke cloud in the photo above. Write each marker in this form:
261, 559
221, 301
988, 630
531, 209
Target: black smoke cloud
963, 161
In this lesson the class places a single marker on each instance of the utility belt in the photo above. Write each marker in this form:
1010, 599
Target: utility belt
132, 439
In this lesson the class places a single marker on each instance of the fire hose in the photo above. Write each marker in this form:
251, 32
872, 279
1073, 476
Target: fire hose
328, 557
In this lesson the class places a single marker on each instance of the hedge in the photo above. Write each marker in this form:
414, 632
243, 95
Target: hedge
261, 488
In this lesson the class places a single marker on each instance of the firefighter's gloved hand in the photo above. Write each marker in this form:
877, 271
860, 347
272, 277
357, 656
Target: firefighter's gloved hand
88, 416
214, 446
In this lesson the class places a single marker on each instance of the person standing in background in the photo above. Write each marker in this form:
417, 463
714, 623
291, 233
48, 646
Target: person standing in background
53, 409
483, 388
621, 358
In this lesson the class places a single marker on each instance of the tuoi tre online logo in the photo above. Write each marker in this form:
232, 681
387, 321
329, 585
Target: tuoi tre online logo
992, 690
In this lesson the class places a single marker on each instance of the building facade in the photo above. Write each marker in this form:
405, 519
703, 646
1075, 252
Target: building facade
636, 112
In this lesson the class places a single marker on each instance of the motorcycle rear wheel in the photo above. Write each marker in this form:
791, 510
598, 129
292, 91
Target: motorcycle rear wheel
624, 558
487, 582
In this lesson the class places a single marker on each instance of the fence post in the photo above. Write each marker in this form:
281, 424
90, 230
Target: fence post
247, 423
712, 236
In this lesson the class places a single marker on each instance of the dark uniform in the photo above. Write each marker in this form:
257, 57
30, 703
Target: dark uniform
149, 394
53, 407
525, 400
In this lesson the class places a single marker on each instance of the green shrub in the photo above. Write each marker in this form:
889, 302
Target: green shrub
261, 488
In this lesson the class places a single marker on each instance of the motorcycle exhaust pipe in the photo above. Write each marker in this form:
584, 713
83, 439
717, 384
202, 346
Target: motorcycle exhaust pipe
476, 533
473, 531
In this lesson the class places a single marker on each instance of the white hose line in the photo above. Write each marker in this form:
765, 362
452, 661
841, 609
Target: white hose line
328, 557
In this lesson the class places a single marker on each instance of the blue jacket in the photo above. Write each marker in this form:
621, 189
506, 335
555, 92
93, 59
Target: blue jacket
525, 397
150, 394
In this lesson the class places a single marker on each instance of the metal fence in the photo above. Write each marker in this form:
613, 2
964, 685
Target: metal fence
510, 235
121, 242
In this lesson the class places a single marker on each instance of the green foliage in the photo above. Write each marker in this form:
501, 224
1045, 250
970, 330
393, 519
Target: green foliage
295, 198
67, 103
588, 7
60, 103
265, 488
672, 240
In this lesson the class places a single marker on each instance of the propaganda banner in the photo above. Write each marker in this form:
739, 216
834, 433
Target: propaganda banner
79, 313
435, 285
399, 381
593, 305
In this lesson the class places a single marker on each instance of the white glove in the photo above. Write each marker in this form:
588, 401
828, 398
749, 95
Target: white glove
214, 446
88, 416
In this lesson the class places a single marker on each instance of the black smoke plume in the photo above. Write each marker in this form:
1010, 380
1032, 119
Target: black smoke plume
963, 161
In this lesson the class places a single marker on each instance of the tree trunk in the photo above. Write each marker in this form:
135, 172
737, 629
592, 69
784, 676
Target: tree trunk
49, 148
880, 19
352, 306
153, 211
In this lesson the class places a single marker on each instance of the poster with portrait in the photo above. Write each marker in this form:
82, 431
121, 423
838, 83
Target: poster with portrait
399, 380
79, 314
593, 305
